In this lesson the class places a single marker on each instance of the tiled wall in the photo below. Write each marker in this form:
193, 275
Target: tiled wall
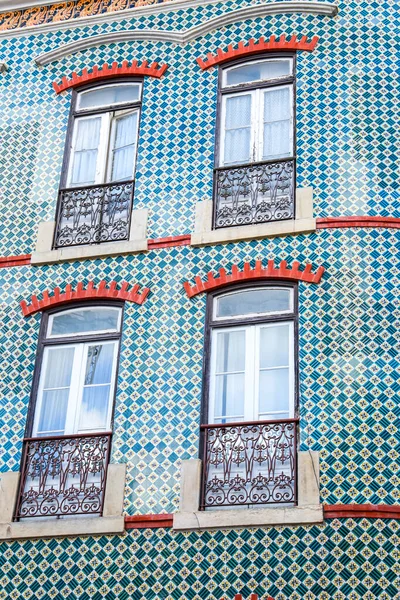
348, 347
347, 143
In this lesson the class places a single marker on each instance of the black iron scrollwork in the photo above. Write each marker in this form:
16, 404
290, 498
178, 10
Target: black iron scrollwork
256, 193
94, 214
249, 463
63, 476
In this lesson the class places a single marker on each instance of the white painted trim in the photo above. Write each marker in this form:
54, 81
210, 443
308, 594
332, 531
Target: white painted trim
308, 510
112, 521
137, 243
174, 36
204, 235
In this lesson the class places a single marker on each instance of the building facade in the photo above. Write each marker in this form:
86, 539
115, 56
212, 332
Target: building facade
199, 300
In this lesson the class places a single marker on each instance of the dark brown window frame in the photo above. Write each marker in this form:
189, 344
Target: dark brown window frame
221, 91
211, 324
43, 342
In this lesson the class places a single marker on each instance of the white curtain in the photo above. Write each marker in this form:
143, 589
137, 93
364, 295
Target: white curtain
237, 129
229, 377
85, 151
123, 152
57, 381
274, 372
277, 123
97, 387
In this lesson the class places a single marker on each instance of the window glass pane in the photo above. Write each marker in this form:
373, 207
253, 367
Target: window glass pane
254, 302
237, 129
94, 408
229, 398
123, 152
59, 367
85, 151
274, 394
57, 381
274, 346
53, 412
258, 71
96, 395
84, 320
230, 351
277, 123
109, 95
99, 364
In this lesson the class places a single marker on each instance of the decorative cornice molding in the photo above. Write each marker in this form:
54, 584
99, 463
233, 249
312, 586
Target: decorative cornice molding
248, 274
105, 72
81, 293
253, 47
183, 37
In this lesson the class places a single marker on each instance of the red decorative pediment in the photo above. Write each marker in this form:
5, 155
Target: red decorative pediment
253, 47
259, 272
110, 291
106, 72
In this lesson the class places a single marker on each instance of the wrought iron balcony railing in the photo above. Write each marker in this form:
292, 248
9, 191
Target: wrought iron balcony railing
94, 214
254, 193
63, 475
249, 463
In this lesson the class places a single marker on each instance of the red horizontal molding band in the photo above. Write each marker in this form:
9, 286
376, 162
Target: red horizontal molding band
15, 261
106, 72
105, 289
167, 242
369, 511
357, 221
148, 521
255, 47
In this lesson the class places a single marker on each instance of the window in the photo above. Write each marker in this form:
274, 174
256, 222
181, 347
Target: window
97, 185
256, 129
103, 148
249, 430
77, 379
65, 458
252, 355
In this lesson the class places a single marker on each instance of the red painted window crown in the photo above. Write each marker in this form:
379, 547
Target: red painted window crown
259, 272
106, 72
81, 293
253, 47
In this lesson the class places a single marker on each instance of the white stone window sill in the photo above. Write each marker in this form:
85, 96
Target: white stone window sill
303, 223
111, 522
308, 510
137, 243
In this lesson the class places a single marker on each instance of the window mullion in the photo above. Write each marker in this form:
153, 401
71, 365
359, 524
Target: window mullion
249, 376
255, 97
103, 148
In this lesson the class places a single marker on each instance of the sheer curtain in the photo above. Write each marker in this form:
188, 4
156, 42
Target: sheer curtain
85, 151
229, 377
237, 129
123, 152
56, 387
277, 123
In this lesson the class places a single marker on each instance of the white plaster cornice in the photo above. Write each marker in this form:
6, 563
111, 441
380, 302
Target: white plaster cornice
188, 35
286, 6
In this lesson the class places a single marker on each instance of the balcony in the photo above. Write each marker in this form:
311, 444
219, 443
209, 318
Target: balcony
249, 464
63, 476
93, 214
254, 193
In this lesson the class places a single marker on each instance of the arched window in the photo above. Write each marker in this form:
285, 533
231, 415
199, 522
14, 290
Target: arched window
76, 374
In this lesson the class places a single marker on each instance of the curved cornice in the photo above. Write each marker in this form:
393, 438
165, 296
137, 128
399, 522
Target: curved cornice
184, 36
